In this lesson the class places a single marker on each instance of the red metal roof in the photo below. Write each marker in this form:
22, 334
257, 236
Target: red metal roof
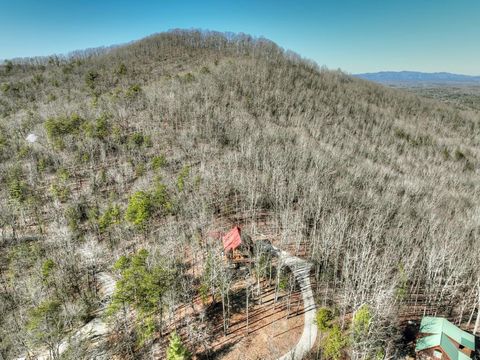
232, 239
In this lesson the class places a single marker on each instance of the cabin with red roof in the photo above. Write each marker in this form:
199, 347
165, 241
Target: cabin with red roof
236, 247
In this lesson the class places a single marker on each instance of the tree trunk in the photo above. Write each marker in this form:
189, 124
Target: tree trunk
247, 306
224, 315
477, 322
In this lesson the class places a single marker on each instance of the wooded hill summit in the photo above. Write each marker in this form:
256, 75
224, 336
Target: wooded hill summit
121, 168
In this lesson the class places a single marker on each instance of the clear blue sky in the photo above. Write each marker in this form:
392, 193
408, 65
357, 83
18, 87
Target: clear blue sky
354, 35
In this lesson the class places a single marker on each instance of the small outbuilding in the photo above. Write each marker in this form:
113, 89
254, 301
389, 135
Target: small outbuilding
440, 339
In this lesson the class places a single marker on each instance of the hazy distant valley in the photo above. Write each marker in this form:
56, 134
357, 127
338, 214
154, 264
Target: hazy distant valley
458, 90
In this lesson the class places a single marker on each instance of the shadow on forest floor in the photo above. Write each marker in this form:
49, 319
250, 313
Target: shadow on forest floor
216, 354
409, 331
476, 355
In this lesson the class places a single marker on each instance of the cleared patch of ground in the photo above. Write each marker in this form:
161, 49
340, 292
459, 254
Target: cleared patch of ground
272, 330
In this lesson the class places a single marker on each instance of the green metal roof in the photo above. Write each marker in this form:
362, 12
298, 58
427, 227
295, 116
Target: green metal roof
439, 330
428, 342
436, 325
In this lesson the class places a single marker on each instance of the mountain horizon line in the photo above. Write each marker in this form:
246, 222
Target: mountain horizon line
418, 76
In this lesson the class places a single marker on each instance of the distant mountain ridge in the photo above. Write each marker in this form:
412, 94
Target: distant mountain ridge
415, 77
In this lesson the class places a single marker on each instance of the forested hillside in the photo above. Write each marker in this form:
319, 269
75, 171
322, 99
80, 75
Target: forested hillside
142, 151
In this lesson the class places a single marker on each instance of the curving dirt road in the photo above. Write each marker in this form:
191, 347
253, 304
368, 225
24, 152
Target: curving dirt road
301, 271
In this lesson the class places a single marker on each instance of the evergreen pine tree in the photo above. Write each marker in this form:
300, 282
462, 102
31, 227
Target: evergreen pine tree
176, 350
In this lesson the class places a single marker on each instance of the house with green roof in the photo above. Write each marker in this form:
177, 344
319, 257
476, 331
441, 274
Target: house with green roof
440, 339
